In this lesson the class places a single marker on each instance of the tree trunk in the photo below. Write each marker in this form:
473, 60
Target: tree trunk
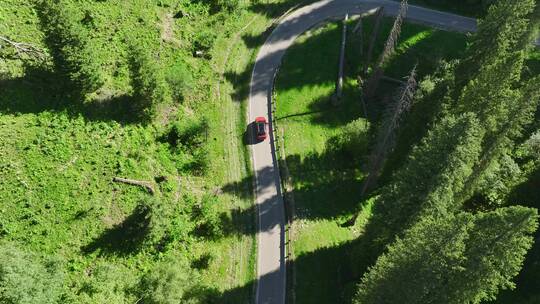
389, 49
376, 27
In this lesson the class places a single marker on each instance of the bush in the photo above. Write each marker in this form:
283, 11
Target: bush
352, 140
187, 137
25, 279
206, 217
532, 146
167, 283
499, 180
107, 283
203, 42
179, 79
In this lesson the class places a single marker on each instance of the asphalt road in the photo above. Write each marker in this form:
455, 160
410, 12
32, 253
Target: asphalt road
271, 212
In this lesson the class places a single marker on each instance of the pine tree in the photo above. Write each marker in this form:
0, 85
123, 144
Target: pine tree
69, 45
149, 84
488, 83
461, 258
434, 173
501, 35
521, 111
487, 78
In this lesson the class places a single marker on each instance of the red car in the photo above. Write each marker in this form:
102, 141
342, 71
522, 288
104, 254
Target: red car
261, 128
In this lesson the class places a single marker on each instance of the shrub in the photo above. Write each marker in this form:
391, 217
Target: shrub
25, 279
206, 217
532, 146
203, 42
167, 283
187, 137
107, 283
499, 181
179, 79
352, 140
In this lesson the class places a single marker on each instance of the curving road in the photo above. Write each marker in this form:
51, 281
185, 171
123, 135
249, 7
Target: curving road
271, 212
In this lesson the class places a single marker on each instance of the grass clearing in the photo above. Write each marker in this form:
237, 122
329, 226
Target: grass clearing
326, 177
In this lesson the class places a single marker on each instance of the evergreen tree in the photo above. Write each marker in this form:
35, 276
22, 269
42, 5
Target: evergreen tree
69, 45
491, 71
488, 83
457, 259
501, 35
24, 279
148, 81
502, 142
434, 173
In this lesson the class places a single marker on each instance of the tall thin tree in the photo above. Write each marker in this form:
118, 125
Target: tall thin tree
389, 48
374, 34
386, 137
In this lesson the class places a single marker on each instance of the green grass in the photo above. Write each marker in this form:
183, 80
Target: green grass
326, 178
59, 155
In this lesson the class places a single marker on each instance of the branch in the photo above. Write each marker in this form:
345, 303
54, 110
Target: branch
24, 48
146, 185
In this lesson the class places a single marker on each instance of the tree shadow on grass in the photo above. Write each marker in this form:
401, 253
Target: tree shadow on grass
323, 275
125, 238
327, 186
42, 90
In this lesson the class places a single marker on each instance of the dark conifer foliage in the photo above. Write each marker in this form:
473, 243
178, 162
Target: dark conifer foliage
461, 258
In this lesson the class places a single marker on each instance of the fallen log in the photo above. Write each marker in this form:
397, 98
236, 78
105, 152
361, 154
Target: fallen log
144, 184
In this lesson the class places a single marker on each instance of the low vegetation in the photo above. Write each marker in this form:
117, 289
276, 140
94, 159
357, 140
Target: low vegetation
134, 91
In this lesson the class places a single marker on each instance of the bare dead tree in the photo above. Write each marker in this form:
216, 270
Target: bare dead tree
362, 101
339, 87
389, 48
23, 48
359, 30
376, 27
386, 136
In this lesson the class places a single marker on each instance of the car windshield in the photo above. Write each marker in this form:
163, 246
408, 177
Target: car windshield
260, 127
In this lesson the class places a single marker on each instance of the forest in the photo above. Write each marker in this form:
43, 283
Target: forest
124, 177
